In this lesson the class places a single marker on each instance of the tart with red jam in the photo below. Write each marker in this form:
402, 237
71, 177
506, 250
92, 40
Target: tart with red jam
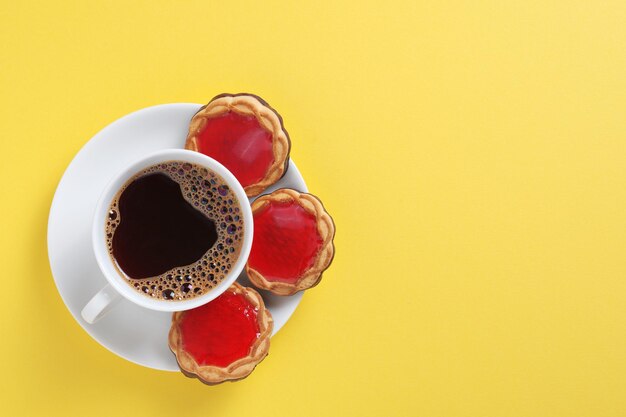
223, 340
292, 244
245, 135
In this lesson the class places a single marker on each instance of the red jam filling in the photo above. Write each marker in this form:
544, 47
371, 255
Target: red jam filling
286, 242
220, 332
240, 143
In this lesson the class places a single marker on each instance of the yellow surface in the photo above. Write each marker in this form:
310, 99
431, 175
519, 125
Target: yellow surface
473, 157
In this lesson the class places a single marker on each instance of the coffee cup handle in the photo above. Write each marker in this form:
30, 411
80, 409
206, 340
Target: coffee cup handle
100, 304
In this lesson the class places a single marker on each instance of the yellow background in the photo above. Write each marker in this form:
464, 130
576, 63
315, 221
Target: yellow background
472, 153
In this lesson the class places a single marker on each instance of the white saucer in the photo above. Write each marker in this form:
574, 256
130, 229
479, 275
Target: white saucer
134, 333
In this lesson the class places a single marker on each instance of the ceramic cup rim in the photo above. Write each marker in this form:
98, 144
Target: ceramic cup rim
106, 263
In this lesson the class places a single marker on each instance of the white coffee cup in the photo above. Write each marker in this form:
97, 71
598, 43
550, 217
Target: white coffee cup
117, 286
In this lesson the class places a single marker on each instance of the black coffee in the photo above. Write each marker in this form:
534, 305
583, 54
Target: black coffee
174, 230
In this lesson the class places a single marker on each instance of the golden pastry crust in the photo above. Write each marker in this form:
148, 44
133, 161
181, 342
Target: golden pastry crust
241, 368
326, 229
268, 118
